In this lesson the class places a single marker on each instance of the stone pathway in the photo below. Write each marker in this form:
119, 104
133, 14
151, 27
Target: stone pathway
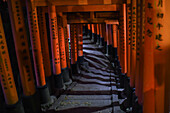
94, 89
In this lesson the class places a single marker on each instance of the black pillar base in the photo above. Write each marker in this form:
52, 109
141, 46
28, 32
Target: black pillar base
58, 81
91, 35
101, 42
32, 103
92, 38
114, 53
80, 59
109, 50
44, 94
137, 108
74, 68
66, 76
89, 32
122, 80
50, 83
16, 108
127, 103
95, 38
98, 40
104, 48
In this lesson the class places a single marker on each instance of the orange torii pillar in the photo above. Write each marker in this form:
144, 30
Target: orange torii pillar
129, 35
66, 36
95, 33
98, 34
14, 105
105, 37
123, 58
133, 45
101, 36
109, 40
73, 40
142, 37
92, 33
58, 78
23, 57
80, 43
44, 45
139, 55
63, 60
156, 57
114, 43
37, 54
139, 61
89, 30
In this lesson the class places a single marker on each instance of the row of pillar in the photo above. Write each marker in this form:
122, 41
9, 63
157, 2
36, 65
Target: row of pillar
40, 78
143, 53
139, 48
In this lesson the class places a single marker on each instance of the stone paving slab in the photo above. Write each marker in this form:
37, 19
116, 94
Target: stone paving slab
87, 97
90, 87
90, 106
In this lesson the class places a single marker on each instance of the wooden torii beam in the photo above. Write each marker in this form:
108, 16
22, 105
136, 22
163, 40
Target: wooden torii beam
75, 2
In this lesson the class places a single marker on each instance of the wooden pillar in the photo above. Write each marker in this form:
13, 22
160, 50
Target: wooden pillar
7, 79
73, 39
21, 47
157, 46
149, 80
23, 56
101, 36
123, 57
109, 40
80, 40
133, 45
98, 34
36, 44
141, 55
114, 43
37, 53
128, 37
92, 28
138, 46
55, 46
66, 35
63, 60
44, 40
95, 33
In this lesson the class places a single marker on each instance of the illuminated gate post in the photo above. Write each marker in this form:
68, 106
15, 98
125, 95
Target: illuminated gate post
156, 57
101, 36
114, 43
44, 45
55, 47
45, 98
93, 34
65, 70
14, 105
30, 99
98, 34
66, 35
73, 36
80, 43
89, 30
109, 41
